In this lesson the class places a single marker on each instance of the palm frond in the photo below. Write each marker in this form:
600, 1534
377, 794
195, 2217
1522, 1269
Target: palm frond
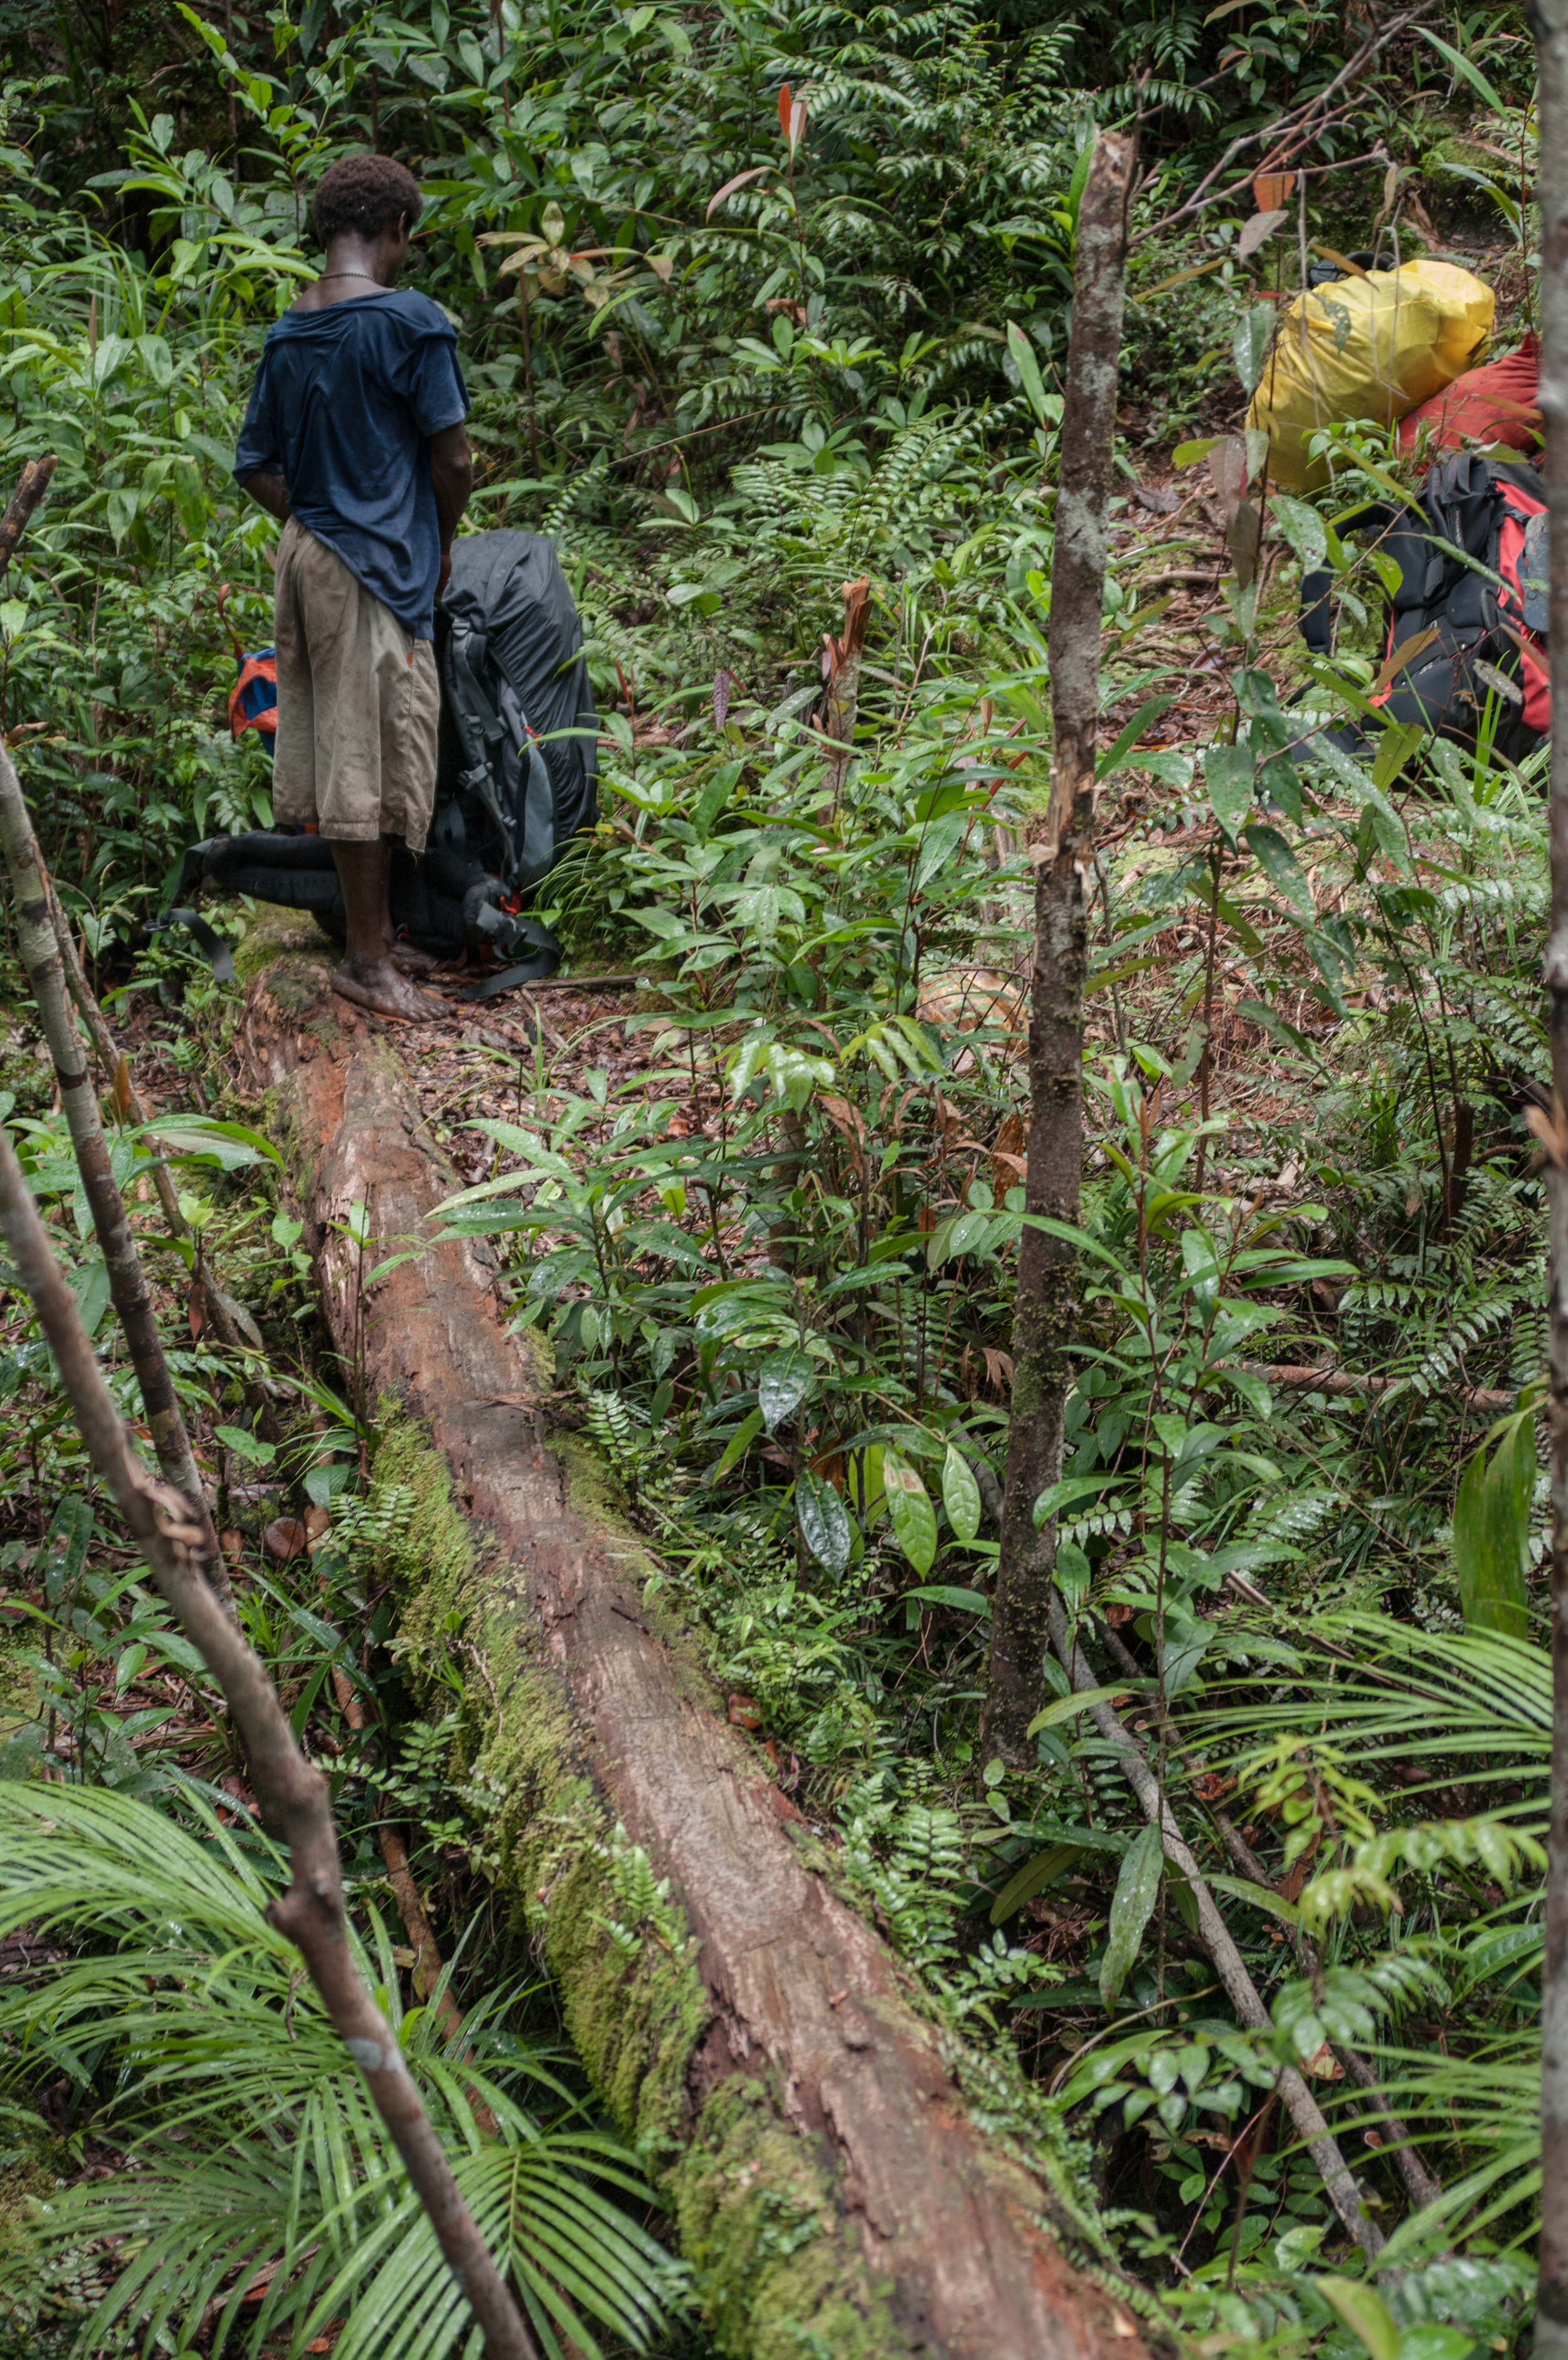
1474, 1707
253, 2156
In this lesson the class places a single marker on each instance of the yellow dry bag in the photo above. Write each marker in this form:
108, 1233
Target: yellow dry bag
1370, 347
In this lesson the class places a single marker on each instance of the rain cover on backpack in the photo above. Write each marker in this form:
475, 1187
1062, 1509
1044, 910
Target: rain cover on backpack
512, 674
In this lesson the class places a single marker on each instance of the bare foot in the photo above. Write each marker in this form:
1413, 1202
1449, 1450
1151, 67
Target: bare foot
409, 961
376, 985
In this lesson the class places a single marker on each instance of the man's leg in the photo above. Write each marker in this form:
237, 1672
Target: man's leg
347, 639
370, 973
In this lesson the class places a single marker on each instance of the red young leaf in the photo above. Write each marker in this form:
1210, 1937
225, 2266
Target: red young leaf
785, 102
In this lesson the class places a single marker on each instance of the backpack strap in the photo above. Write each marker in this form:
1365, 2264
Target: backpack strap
480, 727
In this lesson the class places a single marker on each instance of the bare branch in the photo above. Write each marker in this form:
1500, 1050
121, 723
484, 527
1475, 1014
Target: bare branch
74, 1072
1288, 134
293, 1794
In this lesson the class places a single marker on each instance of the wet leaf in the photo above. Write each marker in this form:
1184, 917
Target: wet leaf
1137, 1889
961, 1496
824, 1522
909, 1505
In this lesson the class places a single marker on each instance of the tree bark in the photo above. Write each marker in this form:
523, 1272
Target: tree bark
33, 483
74, 1072
116, 1072
1552, 2311
1044, 1315
293, 1794
773, 2058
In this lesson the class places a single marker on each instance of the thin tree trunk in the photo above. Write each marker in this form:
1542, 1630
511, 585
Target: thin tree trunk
292, 1793
116, 1072
73, 1071
1044, 1313
1552, 2311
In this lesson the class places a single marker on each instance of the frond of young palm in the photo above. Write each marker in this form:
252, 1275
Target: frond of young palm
1470, 1713
1489, 2104
1472, 1708
256, 2166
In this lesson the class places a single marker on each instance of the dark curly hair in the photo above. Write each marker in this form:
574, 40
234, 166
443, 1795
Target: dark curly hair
366, 193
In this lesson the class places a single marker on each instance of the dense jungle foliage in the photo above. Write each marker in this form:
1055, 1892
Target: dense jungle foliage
754, 297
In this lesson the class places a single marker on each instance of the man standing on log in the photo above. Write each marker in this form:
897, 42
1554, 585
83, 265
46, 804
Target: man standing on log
355, 440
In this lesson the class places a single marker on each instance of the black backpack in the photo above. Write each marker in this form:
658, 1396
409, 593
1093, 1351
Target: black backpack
508, 649
1481, 640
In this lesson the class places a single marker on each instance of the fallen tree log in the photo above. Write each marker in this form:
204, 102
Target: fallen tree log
808, 2129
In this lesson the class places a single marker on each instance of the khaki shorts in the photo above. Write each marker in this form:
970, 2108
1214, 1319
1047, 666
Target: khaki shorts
357, 704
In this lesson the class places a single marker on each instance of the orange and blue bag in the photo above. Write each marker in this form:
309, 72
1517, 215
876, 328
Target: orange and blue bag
253, 700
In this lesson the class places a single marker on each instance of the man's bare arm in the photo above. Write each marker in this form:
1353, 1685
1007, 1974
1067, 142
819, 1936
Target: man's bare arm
269, 491
452, 479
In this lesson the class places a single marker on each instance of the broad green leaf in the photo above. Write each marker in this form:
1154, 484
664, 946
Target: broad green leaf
156, 358
1281, 867
1071, 1491
1032, 1878
92, 1291
1028, 369
232, 1146
1491, 1532
909, 1505
1250, 343
961, 1496
1067, 1708
824, 1521
1304, 528
745, 1434
123, 505
1137, 1889
944, 1593
1397, 743
1256, 1896
783, 1382
248, 1447
1365, 2314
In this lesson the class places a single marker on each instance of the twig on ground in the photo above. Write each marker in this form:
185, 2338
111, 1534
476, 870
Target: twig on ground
1345, 1384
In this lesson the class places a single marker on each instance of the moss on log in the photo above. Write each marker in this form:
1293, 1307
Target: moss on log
748, 2029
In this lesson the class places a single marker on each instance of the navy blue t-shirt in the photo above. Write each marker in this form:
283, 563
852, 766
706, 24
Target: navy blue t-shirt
343, 405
